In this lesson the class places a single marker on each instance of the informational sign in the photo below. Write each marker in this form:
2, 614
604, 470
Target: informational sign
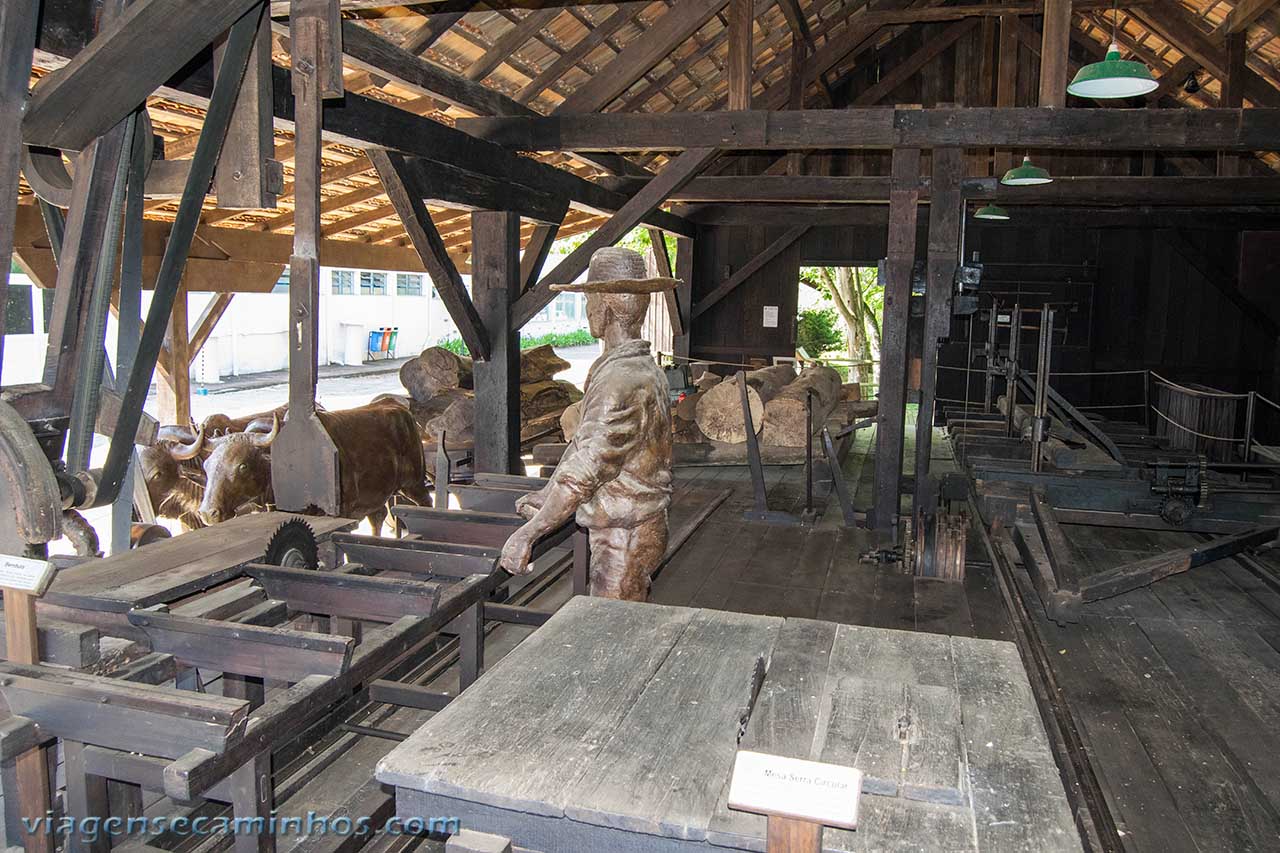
25, 574
771, 316
791, 787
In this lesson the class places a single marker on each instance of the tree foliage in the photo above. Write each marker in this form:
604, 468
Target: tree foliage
858, 298
818, 331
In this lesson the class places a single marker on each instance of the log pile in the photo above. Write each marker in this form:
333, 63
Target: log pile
441, 396
777, 399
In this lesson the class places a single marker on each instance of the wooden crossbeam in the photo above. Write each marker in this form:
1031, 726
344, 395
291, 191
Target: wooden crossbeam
749, 269
406, 196
149, 42
208, 319
1022, 128
909, 67
678, 172
662, 260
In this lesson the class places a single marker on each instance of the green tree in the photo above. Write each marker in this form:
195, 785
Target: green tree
859, 299
818, 331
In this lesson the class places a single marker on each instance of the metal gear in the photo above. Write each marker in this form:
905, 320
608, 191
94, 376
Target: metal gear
293, 546
1175, 510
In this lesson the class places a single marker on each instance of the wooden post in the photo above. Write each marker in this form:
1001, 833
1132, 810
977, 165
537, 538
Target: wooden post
31, 768
17, 42
741, 22
684, 295
1006, 82
788, 835
495, 285
1233, 94
175, 394
247, 177
1055, 42
904, 198
946, 207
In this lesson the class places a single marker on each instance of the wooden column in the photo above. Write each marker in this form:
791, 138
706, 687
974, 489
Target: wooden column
1006, 83
684, 294
246, 177
174, 392
741, 22
1055, 41
946, 207
1233, 93
17, 42
904, 197
495, 285
31, 768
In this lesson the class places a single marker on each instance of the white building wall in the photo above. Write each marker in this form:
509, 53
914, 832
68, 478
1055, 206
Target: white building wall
252, 336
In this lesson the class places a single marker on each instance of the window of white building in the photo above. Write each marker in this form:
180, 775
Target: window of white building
373, 284
343, 282
408, 284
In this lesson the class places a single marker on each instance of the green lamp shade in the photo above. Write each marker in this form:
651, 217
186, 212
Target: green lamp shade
991, 211
1112, 78
1025, 175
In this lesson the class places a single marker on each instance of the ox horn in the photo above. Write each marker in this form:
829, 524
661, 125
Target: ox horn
189, 451
261, 439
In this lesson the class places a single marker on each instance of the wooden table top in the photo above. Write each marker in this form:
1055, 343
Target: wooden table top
625, 715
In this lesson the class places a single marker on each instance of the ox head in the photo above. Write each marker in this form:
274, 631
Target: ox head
237, 472
160, 462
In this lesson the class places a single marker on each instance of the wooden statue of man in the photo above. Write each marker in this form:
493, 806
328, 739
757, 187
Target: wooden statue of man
616, 472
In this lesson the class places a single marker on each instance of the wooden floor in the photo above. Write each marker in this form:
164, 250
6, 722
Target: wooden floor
817, 572
1176, 690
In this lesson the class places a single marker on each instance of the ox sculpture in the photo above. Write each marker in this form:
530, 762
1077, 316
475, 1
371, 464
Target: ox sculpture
379, 456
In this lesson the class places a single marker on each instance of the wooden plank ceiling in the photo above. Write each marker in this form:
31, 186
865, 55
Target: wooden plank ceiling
581, 53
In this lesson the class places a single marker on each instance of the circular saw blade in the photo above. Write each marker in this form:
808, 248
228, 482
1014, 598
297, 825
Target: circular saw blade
293, 546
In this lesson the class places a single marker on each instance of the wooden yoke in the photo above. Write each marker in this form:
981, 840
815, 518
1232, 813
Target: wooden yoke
304, 461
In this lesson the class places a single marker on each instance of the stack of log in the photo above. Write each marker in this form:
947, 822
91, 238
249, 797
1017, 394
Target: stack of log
776, 396
442, 397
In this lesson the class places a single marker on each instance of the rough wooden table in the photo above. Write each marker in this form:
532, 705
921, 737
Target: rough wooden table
615, 726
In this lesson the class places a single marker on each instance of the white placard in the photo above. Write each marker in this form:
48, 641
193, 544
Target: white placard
25, 574
791, 787
771, 316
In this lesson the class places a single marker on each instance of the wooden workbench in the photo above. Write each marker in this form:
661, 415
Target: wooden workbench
615, 726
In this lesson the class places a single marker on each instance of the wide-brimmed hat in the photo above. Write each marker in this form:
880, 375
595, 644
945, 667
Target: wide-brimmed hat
617, 270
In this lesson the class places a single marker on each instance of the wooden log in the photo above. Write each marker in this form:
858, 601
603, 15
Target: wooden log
768, 381
687, 408
707, 380
784, 415
543, 398
433, 370
541, 364
457, 422
719, 413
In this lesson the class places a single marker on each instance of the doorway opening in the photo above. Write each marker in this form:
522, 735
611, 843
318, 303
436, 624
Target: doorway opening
840, 321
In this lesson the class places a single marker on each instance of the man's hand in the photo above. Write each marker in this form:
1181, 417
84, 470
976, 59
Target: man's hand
529, 505
515, 554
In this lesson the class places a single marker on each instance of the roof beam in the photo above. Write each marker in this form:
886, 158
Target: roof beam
596, 36
406, 196
677, 173
70, 108
677, 24
507, 43
933, 47
1035, 128
1173, 24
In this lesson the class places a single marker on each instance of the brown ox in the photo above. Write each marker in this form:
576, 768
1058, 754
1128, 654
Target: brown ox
219, 424
379, 455
174, 479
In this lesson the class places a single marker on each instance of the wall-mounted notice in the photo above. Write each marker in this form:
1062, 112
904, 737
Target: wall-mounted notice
771, 316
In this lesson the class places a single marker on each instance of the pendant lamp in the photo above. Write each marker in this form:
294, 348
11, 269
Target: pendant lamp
1113, 77
991, 211
1026, 175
